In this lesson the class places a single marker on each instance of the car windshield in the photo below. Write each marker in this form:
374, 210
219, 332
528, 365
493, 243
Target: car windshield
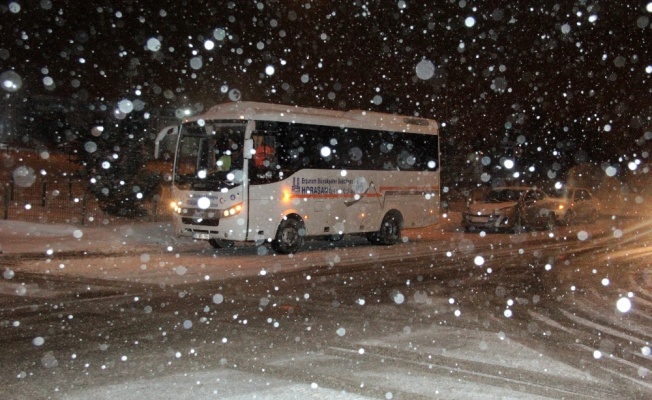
504, 195
563, 193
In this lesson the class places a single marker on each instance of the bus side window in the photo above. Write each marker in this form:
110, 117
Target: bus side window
354, 150
405, 157
426, 152
305, 148
387, 152
289, 155
265, 151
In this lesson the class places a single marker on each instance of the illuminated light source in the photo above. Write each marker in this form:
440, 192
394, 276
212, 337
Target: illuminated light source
203, 202
235, 210
325, 151
508, 164
176, 206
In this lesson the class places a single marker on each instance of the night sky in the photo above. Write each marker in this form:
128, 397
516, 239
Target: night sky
573, 77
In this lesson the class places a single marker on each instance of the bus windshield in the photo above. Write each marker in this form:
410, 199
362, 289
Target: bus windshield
210, 155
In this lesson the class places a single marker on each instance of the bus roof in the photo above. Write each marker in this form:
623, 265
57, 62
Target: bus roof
247, 110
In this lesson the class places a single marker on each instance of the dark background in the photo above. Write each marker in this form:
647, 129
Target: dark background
553, 84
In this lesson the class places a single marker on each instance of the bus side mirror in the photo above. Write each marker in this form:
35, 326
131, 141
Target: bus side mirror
249, 149
168, 130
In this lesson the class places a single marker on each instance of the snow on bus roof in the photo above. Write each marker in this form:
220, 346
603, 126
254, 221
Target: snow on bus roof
247, 110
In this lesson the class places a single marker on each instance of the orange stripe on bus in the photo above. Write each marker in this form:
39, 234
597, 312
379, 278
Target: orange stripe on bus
352, 195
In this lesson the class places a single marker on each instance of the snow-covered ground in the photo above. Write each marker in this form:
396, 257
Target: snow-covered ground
142, 240
20, 237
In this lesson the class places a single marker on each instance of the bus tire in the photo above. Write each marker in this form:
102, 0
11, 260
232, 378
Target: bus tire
289, 236
221, 243
390, 230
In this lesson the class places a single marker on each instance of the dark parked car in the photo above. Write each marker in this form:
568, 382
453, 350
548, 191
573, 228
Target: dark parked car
512, 208
573, 204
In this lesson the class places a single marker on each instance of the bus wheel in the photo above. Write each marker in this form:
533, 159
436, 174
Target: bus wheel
221, 243
289, 236
390, 230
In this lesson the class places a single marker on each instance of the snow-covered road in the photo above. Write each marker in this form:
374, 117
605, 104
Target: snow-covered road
443, 315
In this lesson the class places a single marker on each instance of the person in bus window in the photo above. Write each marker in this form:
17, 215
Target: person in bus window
226, 152
264, 156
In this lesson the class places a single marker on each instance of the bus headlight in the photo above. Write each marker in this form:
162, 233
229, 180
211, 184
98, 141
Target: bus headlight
176, 206
235, 210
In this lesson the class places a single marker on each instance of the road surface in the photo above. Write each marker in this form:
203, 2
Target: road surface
445, 314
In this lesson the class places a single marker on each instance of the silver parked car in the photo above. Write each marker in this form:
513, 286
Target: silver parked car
511, 208
574, 204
